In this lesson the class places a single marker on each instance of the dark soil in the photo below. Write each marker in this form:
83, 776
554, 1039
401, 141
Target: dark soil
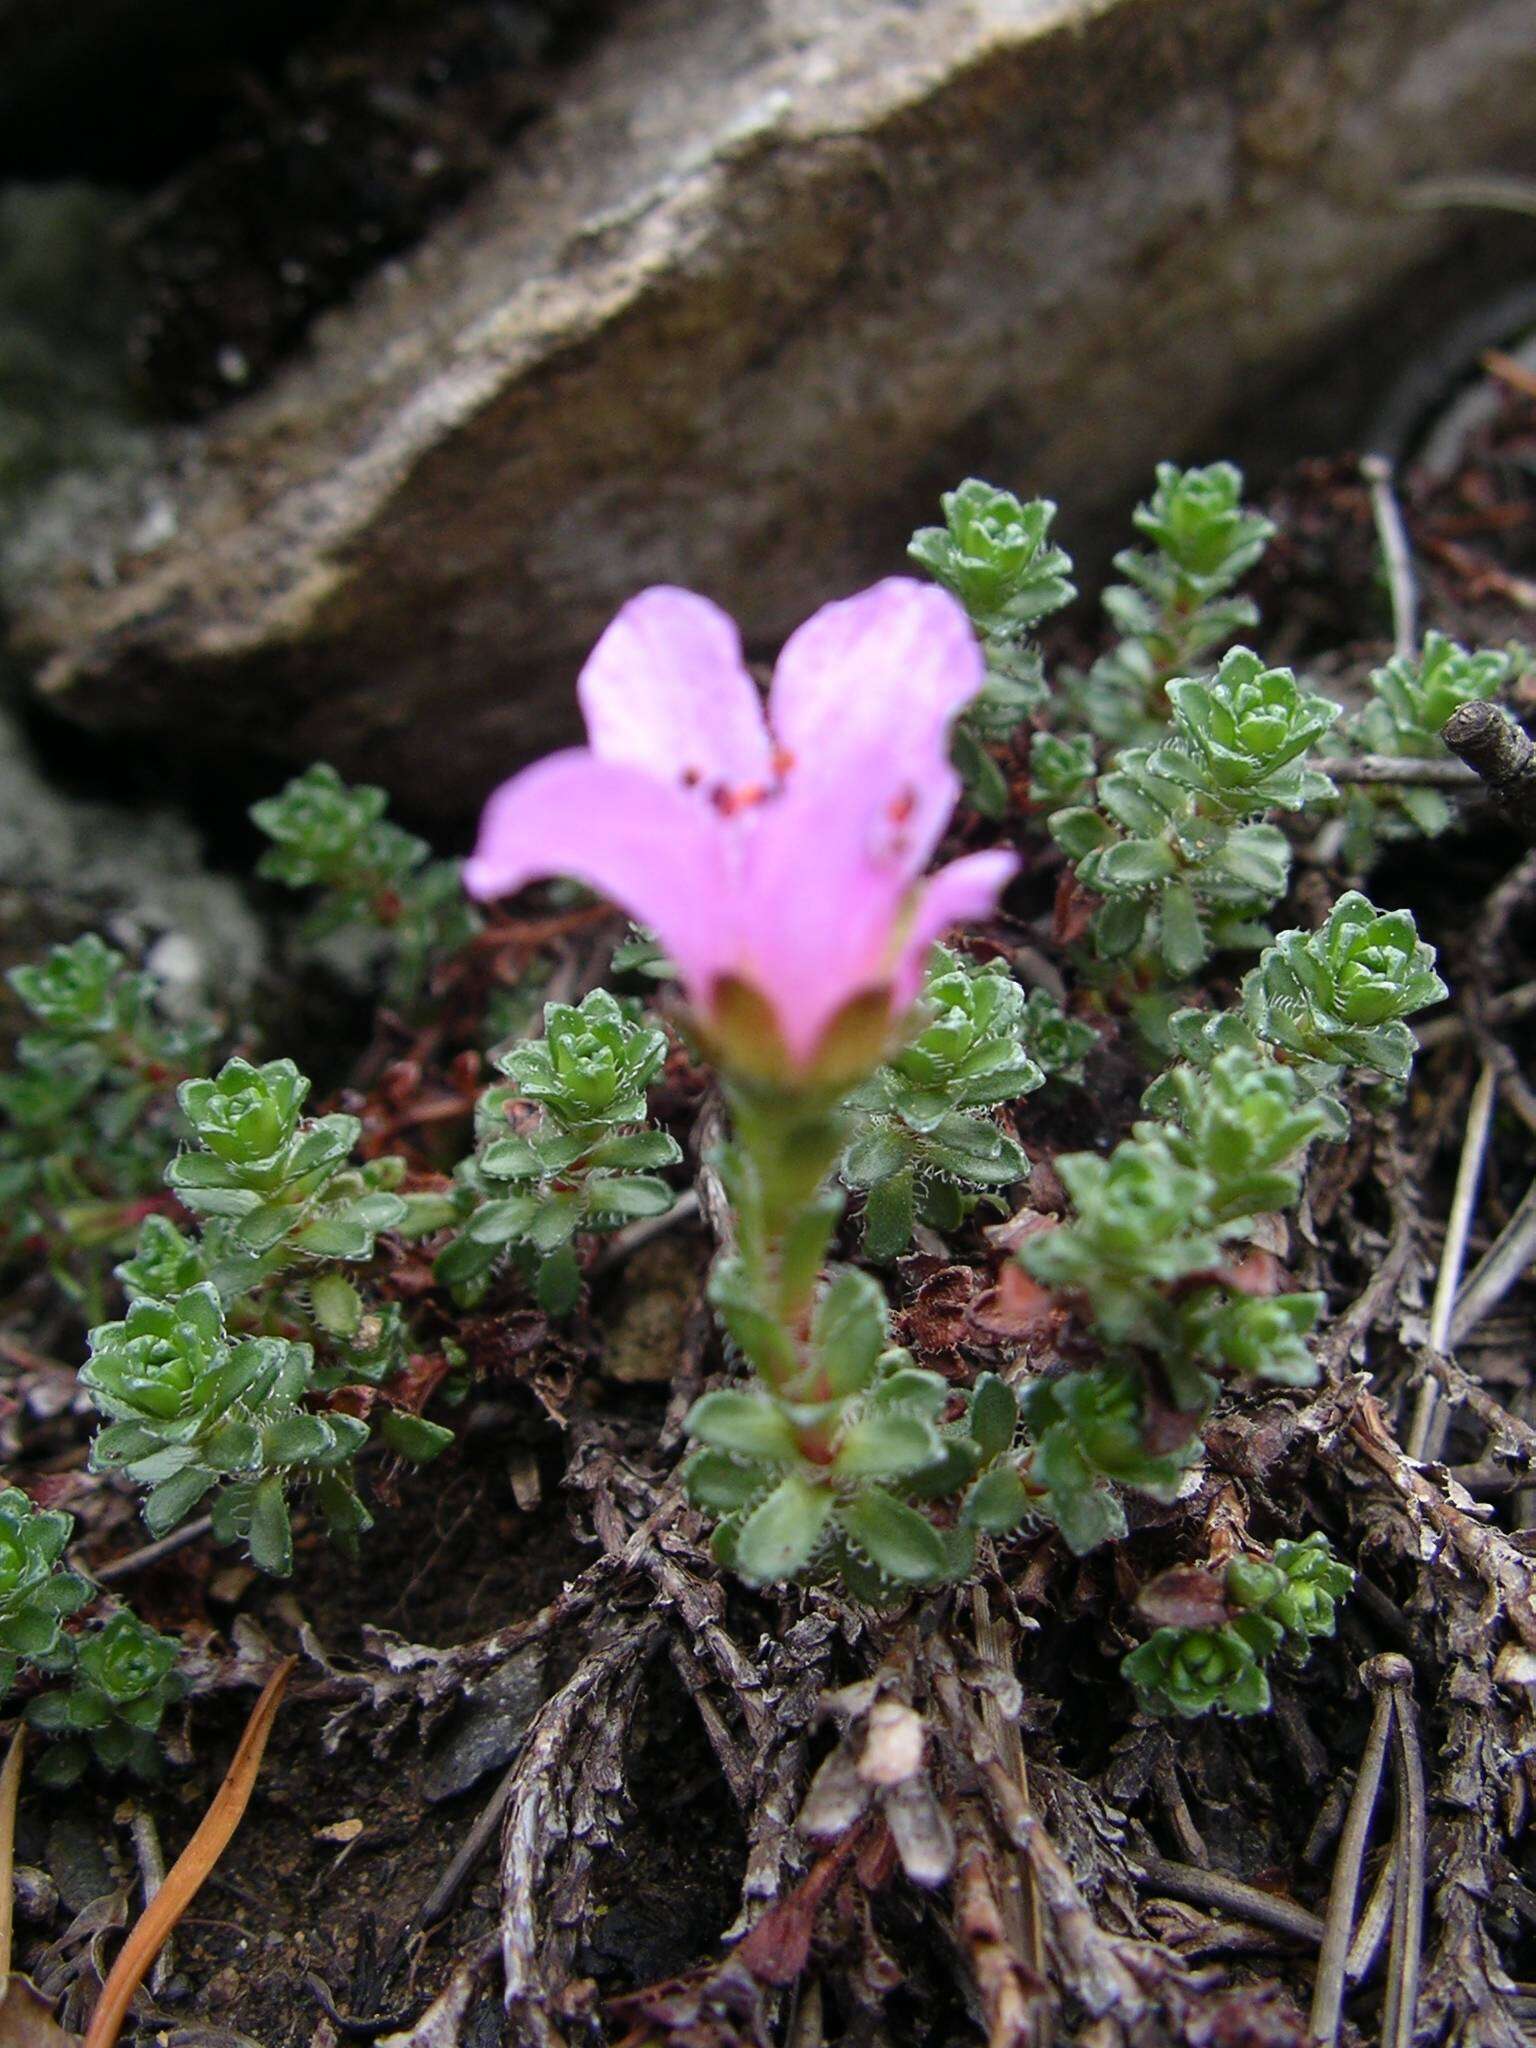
282, 152
371, 128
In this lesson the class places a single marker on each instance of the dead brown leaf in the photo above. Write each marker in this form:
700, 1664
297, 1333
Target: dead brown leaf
26, 2018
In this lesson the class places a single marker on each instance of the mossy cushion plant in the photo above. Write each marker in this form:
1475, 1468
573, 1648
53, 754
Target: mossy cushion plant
238, 1255
589, 1164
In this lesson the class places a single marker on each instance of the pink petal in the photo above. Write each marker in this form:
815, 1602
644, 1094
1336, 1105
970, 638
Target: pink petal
966, 890
827, 880
880, 675
665, 689
647, 845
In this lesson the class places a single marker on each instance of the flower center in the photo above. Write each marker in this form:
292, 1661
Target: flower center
746, 796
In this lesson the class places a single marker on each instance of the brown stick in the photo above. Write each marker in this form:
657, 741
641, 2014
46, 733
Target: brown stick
1409, 1847
1397, 558
10, 1788
1328, 1991
191, 1867
1230, 1895
1500, 755
1408, 773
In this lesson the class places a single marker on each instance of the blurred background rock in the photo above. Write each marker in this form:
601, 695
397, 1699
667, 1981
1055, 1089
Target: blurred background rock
356, 361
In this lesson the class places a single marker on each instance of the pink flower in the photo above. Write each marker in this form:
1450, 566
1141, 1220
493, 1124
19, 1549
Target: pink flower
777, 859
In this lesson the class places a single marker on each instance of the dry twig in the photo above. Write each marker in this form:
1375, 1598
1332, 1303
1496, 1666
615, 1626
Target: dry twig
1506, 1261
562, 1808
1395, 554
191, 1867
1231, 1896
1392, 768
1423, 1433
1408, 1851
1339, 1921
10, 1790
1499, 753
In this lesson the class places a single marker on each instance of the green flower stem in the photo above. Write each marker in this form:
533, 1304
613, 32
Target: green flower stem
787, 1146
831, 1460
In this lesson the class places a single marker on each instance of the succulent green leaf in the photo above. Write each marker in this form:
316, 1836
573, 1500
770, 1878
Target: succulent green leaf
337, 1304
886, 1444
1192, 1671
997, 1502
723, 1484
413, 1437
848, 1331
890, 1215
895, 1538
994, 1416
780, 1536
271, 1531
751, 1425
174, 1499
558, 1285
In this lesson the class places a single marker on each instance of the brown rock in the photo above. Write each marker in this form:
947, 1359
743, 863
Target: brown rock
768, 278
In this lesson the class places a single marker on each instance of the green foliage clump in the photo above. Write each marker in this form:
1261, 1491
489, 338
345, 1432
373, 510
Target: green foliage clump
1177, 605
120, 1674
1411, 699
1141, 1219
1088, 1435
1062, 768
1174, 840
996, 556
37, 1593
333, 836
584, 1163
1287, 1601
1245, 1121
279, 1183
192, 1411
165, 1262
1057, 1043
1318, 1005
124, 1677
85, 994
1151, 1241
200, 1397
1241, 738
1149, 1252
1152, 1250
1338, 997
283, 1206
923, 1147
86, 1112
844, 1461
1298, 1589
825, 1470
1193, 1671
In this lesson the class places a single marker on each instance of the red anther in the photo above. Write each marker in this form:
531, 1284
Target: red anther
729, 801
